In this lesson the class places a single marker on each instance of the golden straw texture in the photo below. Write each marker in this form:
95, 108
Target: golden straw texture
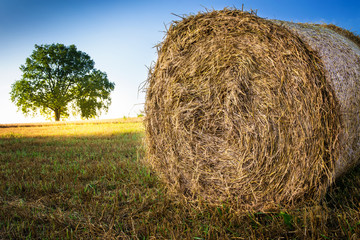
340, 54
239, 110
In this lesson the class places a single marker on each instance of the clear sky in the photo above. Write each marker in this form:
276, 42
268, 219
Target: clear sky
120, 36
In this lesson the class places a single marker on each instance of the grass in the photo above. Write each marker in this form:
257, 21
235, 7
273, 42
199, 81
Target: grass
87, 181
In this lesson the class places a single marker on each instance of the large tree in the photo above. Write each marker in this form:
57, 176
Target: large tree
58, 79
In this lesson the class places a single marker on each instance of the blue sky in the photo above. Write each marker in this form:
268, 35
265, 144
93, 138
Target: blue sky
120, 36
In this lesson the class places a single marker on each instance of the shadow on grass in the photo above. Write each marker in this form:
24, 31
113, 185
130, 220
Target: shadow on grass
345, 192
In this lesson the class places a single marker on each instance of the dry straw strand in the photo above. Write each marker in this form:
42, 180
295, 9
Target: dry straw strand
239, 110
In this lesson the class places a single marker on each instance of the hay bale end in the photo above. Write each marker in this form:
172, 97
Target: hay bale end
251, 111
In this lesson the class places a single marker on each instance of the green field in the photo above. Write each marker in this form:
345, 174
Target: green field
88, 181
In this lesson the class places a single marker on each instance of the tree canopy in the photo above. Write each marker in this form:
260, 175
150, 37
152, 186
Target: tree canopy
60, 80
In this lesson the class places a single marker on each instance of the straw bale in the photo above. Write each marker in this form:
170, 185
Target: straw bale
346, 33
339, 51
244, 110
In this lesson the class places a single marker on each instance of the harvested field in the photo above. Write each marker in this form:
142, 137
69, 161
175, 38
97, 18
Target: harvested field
87, 181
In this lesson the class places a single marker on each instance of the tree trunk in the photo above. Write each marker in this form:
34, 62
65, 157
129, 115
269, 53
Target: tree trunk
57, 115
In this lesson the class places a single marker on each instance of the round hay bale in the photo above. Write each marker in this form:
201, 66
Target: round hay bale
245, 110
339, 51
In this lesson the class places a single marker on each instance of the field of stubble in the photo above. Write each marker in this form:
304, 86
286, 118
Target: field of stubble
88, 181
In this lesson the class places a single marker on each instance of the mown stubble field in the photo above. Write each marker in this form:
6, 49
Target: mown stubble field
88, 181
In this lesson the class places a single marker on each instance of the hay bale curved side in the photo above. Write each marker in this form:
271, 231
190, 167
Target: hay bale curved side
341, 58
238, 109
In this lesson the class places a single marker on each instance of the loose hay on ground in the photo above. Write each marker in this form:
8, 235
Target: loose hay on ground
241, 109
